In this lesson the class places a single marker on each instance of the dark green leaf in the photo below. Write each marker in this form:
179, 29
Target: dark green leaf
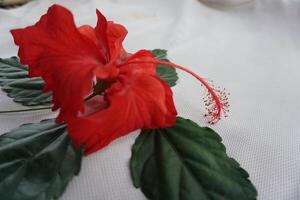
187, 162
37, 161
15, 81
168, 74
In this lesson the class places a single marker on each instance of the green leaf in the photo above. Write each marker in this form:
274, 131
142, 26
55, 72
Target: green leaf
187, 162
168, 74
37, 161
15, 81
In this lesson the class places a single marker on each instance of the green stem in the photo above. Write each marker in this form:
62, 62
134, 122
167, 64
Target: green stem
23, 110
41, 108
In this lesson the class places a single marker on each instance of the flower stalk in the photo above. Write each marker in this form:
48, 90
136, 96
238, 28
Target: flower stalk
24, 110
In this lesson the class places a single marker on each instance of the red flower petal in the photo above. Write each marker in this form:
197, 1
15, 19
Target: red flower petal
101, 34
115, 36
135, 102
89, 32
108, 37
66, 59
146, 67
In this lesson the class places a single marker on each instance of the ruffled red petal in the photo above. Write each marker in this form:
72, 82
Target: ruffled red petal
89, 32
101, 35
67, 60
108, 36
146, 67
116, 33
134, 102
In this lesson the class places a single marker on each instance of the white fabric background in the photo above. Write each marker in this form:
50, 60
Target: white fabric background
253, 50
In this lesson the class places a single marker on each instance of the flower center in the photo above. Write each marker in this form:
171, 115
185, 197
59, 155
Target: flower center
101, 86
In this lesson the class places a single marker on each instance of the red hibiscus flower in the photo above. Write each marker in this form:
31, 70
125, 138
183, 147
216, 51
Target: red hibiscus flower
101, 91
69, 59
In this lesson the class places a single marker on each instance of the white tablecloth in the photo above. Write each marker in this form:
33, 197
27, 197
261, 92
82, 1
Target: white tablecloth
253, 50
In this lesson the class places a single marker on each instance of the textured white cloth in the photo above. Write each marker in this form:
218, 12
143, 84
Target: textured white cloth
253, 50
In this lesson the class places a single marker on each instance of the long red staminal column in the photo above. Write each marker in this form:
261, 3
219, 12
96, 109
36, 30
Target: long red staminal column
216, 100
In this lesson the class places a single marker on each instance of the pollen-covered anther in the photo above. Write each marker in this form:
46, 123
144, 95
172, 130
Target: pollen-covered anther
216, 103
